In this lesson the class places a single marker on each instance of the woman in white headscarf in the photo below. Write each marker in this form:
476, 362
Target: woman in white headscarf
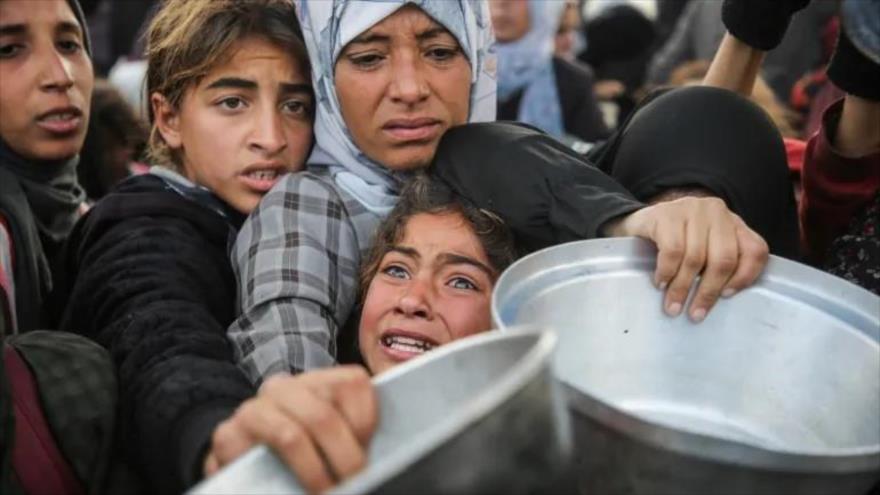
535, 86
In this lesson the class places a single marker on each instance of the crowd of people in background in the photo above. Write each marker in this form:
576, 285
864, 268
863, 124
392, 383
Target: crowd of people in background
219, 218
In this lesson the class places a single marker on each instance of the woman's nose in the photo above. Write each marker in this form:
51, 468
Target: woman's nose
57, 73
409, 82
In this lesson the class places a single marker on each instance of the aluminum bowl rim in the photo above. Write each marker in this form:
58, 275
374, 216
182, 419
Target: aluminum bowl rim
834, 459
530, 365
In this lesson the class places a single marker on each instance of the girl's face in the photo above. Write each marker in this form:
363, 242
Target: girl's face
244, 125
433, 287
401, 85
46, 79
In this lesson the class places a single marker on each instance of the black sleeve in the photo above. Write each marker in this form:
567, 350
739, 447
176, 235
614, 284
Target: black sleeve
545, 192
583, 118
159, 296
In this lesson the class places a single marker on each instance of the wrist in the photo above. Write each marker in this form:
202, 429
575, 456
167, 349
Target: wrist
616, 227
858, 131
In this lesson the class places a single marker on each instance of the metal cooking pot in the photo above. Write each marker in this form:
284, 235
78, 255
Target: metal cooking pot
777, 391
461, 419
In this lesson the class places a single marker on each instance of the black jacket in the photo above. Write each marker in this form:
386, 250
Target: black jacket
148, 277
581, 117
545, 192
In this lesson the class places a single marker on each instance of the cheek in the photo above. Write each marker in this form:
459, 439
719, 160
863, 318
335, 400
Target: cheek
454, 89
13, 100
358, 100
376, 303
85, 78
469, 317
299, 142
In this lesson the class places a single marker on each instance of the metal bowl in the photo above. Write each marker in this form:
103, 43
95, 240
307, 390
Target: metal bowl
461, 419
778, 390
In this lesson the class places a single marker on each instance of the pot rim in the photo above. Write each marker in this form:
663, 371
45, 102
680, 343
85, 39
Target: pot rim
822, 289
520, 372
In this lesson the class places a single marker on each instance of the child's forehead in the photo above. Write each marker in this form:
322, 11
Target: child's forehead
441, 230
246, 58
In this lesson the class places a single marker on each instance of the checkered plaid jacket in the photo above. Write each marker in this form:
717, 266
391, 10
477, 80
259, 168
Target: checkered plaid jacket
296, 260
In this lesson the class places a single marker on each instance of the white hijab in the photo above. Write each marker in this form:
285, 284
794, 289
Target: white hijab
328, 26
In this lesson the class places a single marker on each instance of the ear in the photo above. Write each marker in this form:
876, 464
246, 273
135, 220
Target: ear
167, 120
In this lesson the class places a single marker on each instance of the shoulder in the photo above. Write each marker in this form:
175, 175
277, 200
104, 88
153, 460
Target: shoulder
301, 189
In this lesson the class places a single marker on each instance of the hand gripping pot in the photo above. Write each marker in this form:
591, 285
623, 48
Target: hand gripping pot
777, 391
479, 415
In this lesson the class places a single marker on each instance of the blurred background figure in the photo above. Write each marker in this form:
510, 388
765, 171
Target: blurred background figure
698, 34
535, 85
114, 143
117, 28
570, 37
619, 40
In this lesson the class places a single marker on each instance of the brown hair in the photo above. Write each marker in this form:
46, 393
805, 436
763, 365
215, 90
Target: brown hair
188, 38
425, 195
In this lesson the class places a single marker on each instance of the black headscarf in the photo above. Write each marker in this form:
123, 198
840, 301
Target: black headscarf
39, 201
716, 140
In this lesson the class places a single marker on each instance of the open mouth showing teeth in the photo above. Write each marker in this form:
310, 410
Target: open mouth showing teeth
59, 117
263, 174
407, 344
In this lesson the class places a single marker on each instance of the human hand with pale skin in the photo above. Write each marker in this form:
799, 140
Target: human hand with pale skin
428, 281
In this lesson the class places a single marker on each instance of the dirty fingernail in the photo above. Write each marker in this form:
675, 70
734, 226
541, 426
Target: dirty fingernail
674, 309
698, 315
728, 292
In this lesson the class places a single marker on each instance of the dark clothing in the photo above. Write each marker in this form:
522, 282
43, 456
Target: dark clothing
71, 414
700, 30
835, 187
855, 256
39, 204
149, 278
712, 139
619, 45
580, 113
545, 192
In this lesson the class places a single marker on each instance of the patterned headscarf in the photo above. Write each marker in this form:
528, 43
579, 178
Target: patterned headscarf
526, 65
328, 26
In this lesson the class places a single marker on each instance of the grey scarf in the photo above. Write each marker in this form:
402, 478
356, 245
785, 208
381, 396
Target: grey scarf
39, 202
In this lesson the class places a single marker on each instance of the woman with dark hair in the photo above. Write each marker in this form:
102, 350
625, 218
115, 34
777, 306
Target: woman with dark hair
44, 113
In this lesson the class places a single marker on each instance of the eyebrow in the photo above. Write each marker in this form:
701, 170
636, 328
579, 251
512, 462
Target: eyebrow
239, 83
232, 82
457, 259
368, 37
12, 29
288, 88
406, 251
68, 27
447, 259
61, 27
